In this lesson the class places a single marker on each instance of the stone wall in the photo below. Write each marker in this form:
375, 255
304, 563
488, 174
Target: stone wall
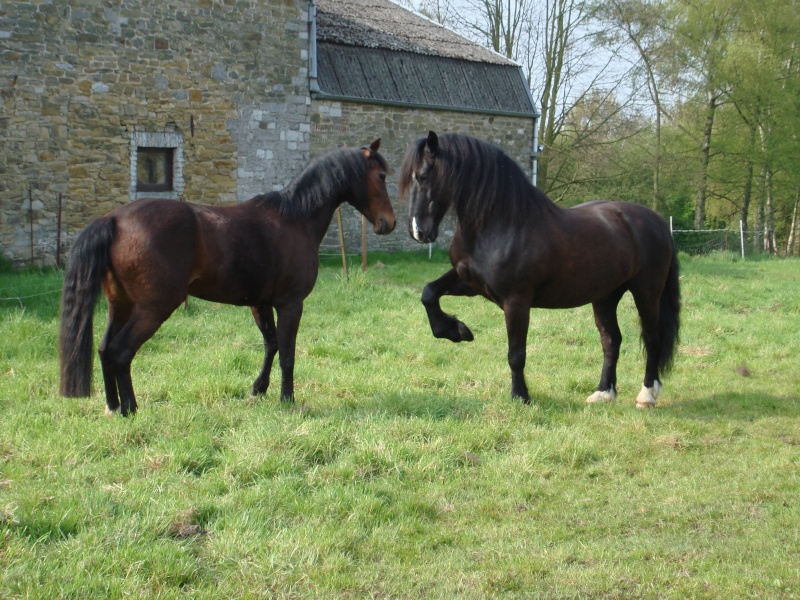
78, 80
336, 123
224, 82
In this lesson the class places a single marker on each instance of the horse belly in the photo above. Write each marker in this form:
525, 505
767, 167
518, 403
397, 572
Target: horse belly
570, 289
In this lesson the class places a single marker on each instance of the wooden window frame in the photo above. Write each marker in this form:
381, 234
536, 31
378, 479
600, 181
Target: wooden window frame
169, 169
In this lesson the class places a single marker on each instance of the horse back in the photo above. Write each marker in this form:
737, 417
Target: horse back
248, 253
569, 257
243, 254
624, 220
623, 236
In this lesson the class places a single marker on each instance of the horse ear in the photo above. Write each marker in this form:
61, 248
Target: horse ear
432, 143
373, 148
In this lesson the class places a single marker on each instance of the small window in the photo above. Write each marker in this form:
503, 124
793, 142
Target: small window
154, 169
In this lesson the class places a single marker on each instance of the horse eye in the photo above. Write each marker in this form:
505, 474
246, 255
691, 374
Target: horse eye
382, 176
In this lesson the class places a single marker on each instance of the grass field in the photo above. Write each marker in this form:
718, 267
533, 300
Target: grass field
404, 470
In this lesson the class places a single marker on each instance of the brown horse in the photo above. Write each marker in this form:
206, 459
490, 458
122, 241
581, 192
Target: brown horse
517, 248
149, 255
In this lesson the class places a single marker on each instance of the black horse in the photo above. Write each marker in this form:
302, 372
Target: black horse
517, 248
149, 255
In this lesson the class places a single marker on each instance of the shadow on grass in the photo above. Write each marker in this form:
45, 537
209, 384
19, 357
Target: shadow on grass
736, 406
430, 407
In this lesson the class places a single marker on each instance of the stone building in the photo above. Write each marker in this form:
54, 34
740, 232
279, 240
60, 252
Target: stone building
215, 101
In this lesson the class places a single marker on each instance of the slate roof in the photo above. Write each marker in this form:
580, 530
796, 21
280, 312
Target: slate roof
376, 50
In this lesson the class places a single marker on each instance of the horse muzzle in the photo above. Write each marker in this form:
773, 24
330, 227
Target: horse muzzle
422, 234
384, 225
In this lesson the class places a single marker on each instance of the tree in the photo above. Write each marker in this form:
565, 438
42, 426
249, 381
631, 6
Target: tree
554, 42
762, 70
704, 29
641, 24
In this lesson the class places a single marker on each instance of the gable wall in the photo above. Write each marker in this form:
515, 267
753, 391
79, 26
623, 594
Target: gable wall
79, 79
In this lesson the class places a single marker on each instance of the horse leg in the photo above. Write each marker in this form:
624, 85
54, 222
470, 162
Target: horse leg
517, 316
444, 325
288, 324
265, 320
648, 316
123, 347
117, 317
605, 318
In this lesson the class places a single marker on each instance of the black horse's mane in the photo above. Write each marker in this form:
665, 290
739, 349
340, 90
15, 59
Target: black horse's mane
321, 182
479, 178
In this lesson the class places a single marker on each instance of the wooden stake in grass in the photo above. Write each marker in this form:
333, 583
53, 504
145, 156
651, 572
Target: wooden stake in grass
341, 241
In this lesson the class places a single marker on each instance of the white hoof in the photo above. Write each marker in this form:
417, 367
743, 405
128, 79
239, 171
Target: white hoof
111, 413
599, 396
647, 397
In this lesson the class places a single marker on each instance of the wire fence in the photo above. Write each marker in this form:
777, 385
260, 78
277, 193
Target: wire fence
40, 236
26, 290
706, 241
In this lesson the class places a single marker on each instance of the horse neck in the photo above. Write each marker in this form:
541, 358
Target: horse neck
321, 220
317, 218
541, 211
321, 188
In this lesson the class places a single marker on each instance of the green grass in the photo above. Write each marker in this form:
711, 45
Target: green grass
404, 470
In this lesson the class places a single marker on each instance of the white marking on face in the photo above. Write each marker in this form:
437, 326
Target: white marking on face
415, 229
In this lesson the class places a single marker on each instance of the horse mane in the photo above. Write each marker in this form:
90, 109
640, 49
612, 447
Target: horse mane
480, 179
322, 181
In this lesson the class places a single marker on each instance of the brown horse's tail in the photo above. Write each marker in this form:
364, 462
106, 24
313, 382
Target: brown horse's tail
669, 319
86, 268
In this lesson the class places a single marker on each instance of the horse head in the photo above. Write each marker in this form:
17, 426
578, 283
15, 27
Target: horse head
419, 175
377, 207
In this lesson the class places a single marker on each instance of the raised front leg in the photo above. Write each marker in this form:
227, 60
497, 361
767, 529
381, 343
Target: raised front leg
265, 319
444, 325
288, 324
518, 316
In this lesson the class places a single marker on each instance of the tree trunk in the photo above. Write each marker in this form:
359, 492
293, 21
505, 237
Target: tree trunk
705, 157
748, 183
657, 161
758, 239
769, 222
792, 245
557, 34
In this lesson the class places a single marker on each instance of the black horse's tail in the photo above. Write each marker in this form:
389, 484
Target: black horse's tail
87, 266
669, 319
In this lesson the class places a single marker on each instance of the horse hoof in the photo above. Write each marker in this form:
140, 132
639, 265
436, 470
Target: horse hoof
111, 413
465, 333
647, 397
602, 396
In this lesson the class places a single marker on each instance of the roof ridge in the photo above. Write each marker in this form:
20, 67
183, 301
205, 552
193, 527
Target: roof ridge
389, 25
451, 30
